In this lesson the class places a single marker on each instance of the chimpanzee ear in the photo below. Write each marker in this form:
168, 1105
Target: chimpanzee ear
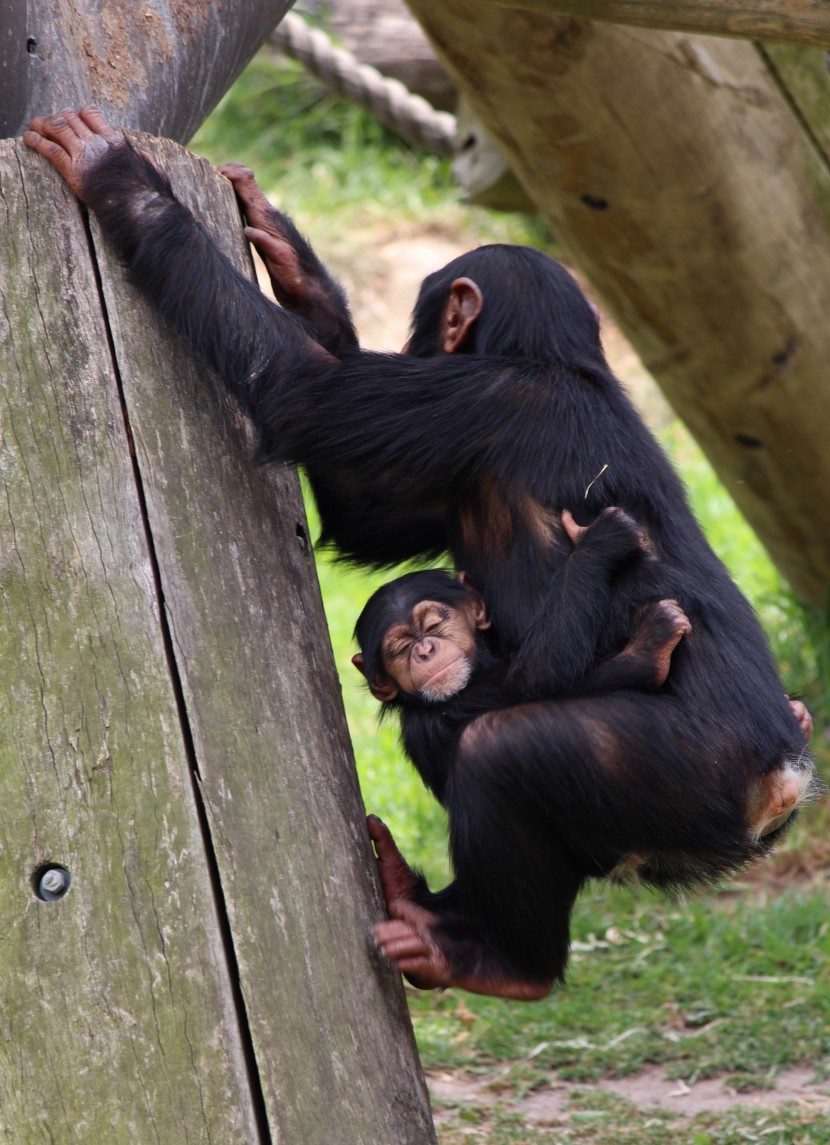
462, 309
476, 603
482, 619
381, 689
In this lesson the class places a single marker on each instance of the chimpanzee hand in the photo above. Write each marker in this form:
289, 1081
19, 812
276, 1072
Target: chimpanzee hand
74, 142
805, 720
265, 232
299, 280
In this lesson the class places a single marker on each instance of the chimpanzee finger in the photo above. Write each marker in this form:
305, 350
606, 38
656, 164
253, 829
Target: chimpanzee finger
92, 118
278, 254
398, 940
805, 720
53, 152
235, 171
242, 179
572, 530
396, 876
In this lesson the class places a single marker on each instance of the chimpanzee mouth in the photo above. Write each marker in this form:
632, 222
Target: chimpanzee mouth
437, 688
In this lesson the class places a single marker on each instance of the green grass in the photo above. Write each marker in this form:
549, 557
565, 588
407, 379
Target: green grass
319, 150
603, 1119
694, 986
736, 983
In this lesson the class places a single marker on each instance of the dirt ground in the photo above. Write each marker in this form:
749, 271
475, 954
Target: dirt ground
648, 1090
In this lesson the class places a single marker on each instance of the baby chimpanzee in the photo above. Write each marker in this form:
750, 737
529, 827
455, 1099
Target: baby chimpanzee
425, 651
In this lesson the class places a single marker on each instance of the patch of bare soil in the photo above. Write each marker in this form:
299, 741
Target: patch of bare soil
649, 1090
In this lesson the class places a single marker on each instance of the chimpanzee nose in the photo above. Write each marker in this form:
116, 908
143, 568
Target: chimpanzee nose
424, 649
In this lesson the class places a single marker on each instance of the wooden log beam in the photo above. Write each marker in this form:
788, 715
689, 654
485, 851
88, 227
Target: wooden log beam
679, 176
790, 21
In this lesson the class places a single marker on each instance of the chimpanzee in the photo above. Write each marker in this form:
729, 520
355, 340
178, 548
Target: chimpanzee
501, 413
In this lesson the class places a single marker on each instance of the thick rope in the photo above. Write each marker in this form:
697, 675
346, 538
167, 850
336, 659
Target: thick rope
409, 115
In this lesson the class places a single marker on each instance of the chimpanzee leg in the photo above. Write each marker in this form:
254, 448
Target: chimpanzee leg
658, 628
409, 940
559, 648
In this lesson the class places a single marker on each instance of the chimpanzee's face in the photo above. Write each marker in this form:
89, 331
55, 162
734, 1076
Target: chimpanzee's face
432, 653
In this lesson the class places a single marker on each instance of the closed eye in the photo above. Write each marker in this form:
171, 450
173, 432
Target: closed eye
398, 651
437, 625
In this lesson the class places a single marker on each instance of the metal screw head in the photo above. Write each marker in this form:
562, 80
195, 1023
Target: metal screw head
53, 884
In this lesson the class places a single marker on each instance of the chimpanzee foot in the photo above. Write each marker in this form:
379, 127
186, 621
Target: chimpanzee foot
409, 941
409, 937
658, 629
397, 879
405, 938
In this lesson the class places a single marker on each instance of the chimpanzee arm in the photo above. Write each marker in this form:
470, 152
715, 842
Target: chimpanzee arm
392, 443
300, 281
171, 258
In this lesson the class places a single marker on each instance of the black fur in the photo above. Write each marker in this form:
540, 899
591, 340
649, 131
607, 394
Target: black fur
477, 453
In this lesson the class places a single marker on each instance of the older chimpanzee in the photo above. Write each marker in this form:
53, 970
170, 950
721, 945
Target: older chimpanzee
502, 413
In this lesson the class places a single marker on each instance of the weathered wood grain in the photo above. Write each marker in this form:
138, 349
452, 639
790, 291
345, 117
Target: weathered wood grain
269, 733
677, 174
119, 1017
116, 1023
791, 21
161, 65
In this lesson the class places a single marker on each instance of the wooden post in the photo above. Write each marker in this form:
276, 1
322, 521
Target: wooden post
679, 176
172, 737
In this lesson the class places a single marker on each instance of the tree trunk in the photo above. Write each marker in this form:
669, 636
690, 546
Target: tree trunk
158, 65
172, 736
678, 175
793, 21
